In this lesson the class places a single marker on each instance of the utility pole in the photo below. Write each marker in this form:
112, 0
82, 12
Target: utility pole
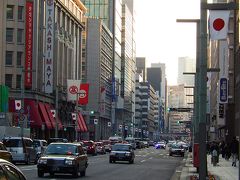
203, 91
56, 114
22, 103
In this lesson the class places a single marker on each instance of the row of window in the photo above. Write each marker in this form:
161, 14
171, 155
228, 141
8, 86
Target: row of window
11, 10
10, 35
9, 56
9, 80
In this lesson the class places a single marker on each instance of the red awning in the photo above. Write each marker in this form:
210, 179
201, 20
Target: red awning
78, 126
60, 126
83, 123
80, 123
44, 115
53, 121
34, 116
50, 116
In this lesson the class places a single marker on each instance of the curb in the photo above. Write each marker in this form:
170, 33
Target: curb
179, 170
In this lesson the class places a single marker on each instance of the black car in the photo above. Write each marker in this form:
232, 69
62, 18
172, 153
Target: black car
122, 152
63, 158
10, 171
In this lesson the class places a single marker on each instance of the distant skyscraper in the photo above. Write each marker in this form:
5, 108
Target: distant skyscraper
141, 67
186, 64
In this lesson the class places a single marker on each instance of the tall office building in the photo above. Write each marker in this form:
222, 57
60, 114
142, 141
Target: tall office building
158, 70
99, 72
141, 67
186, 64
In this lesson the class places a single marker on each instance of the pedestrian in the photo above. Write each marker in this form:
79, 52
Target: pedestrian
222, 150
234, 151
227, 151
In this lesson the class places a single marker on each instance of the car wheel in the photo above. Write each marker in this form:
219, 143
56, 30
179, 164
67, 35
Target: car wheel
131, 161
51, 174
75, 173
83, 173
170, 154
27, 161
110, 161
40, 173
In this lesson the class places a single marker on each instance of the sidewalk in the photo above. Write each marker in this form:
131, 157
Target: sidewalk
223, 171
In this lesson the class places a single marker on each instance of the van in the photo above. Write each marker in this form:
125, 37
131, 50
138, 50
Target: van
22, 149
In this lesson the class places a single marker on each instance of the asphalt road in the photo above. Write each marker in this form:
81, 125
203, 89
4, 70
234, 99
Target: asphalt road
149, 164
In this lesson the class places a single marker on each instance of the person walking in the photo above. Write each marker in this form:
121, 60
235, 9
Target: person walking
234, 151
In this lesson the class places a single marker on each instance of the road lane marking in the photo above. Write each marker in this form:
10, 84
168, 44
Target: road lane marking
150, 158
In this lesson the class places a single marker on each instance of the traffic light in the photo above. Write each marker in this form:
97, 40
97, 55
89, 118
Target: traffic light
91, 112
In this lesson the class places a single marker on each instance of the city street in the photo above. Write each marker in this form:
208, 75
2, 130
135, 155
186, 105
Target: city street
150, 164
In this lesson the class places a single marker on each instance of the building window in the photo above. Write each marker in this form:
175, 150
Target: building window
20, 36
20, 13
19, 58
8, 80
10, 12
9, 35
18, 81
9, 58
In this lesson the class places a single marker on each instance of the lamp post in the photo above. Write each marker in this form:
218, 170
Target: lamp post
196, 86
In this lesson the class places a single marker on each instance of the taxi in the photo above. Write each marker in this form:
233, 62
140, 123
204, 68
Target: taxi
4, 153
63, 158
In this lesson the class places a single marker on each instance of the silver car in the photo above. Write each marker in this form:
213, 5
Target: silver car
22, 149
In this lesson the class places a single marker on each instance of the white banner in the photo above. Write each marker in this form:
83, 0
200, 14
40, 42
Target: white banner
218, 24
53, 111
18, 104
73, 88
48, 73
74, 116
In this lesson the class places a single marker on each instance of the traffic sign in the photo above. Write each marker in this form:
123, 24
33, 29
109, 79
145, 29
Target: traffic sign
223, 90
109, 124
95, 121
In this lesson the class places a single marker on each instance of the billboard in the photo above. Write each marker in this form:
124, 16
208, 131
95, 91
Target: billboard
29, 45
48, 74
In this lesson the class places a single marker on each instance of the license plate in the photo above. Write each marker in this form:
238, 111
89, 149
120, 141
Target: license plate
55, 168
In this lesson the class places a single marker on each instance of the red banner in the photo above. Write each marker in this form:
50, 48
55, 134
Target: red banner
28, 44
83, 94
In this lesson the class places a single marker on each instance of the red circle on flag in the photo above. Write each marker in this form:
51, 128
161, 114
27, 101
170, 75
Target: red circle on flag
218, 24
73, 89
18, 104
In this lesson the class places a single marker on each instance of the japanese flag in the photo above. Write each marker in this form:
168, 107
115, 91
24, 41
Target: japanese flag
218, 24
74, 116
53, 112
18, 105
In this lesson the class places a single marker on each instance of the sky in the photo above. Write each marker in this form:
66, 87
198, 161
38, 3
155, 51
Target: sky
160, 38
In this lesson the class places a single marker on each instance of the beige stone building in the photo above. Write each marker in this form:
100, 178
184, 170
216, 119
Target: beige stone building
41, 45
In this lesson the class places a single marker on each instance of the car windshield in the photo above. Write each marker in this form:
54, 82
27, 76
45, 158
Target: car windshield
120, 147
61, 149
175, 146
36, 143
12, 142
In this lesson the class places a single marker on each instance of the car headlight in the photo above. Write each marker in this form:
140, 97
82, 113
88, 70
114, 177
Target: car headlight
42, 161
127, 154
112, 153
69, 162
